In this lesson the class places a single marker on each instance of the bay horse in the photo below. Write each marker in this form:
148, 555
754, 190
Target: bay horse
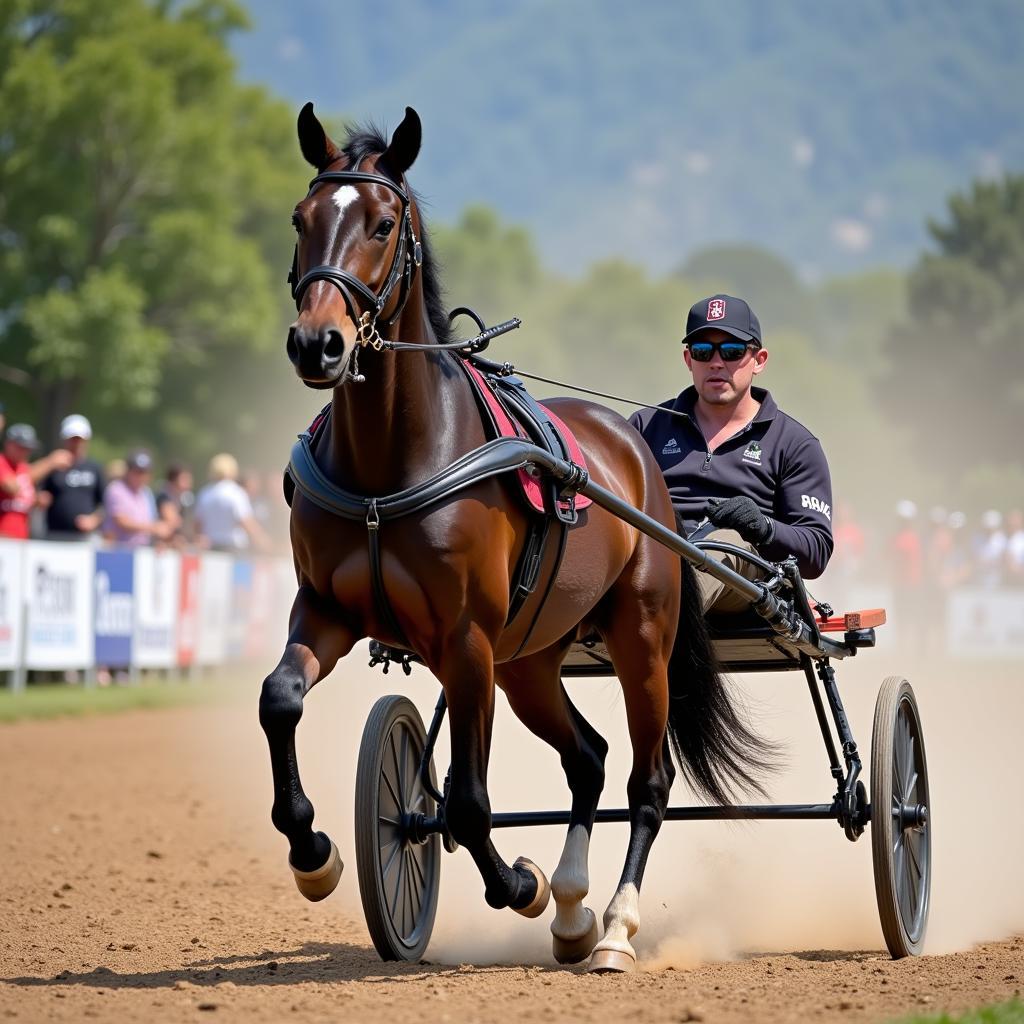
363, 270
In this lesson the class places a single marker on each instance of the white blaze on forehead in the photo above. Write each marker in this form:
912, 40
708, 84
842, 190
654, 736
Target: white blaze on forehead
344, 197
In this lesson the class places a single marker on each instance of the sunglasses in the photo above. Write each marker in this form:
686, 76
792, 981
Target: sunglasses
730, 351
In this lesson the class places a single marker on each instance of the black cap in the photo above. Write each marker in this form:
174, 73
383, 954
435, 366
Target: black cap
723, 313
139, 460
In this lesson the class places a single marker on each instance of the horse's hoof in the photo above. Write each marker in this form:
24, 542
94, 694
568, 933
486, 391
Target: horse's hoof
320, 883
611, 961
575, 951
539, 903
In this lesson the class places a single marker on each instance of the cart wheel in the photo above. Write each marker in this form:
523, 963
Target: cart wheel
399, 872
901, 830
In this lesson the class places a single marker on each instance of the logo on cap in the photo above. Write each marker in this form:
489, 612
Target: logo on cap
716, 309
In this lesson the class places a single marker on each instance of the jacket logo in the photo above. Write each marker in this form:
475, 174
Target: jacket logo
807, 501
753, 453
716, 309
671, 448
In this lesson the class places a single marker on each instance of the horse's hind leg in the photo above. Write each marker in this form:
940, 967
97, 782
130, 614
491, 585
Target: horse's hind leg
316, 641
539, 700
640, 644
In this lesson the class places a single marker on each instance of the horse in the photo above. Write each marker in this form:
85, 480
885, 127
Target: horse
364, 272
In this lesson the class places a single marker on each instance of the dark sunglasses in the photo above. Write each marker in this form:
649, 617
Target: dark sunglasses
730, 351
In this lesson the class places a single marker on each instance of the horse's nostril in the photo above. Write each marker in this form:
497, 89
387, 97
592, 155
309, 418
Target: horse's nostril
291, 347
334, 347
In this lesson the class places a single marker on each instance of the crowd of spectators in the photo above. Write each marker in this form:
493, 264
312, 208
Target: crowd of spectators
67, 496
938, 551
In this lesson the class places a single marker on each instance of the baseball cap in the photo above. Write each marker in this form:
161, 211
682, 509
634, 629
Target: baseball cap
75, 426
139, 460
23, 434
723, 313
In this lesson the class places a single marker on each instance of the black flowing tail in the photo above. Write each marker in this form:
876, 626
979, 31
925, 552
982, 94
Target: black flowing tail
717, 752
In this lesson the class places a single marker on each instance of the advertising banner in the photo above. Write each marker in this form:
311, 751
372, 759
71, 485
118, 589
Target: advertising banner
986, 623
215, 583
241, 607
11, 602
59, 592
188, 610
114, 608
157, 587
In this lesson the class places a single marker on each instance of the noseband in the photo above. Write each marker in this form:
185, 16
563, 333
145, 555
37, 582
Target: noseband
408, 256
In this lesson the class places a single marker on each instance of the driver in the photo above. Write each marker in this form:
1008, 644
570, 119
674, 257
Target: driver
739, 470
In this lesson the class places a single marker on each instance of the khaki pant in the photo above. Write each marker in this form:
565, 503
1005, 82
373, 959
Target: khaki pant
719, 597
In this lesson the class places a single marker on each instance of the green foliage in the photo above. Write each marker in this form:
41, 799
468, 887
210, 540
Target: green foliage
143, 209
958, 357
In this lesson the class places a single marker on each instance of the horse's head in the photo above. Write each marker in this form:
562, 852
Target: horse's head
356, 250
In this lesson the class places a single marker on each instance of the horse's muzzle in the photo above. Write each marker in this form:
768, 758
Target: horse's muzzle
317, 353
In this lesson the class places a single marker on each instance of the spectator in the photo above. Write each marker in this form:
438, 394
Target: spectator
847, 561
73, 497
224, 513
906, 565
115, 470
3, 419
1015, 548
18, 478
130, 507
175, 503
990, 550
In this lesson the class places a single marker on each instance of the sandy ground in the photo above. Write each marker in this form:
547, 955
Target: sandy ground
142, 880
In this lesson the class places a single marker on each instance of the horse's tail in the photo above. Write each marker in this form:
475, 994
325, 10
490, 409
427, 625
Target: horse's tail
717, 752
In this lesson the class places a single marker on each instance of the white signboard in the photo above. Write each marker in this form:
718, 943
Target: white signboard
215, 582
11, 601
59, 594
986, 623
157, 585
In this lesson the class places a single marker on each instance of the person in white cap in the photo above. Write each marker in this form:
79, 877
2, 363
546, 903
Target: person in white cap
73, 496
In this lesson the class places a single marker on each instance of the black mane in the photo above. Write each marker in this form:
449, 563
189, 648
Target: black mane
367, 140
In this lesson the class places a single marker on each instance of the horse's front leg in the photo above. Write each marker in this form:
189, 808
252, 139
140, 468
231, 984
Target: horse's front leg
317, 639
467, 672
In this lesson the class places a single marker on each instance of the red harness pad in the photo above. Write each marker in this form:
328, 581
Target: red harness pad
506, 428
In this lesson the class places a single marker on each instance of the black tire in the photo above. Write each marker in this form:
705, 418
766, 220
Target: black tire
399, 877
901, 843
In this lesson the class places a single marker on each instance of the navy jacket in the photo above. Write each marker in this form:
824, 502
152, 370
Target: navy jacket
773, 459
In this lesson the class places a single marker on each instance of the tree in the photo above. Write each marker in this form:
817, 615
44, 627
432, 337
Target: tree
144, 199
957, 362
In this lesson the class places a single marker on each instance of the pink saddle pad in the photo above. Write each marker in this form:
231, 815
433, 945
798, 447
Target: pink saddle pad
507, 428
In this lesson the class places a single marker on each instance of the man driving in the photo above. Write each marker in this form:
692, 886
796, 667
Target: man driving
739, 470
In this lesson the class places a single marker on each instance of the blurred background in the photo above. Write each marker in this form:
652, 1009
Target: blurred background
855, 172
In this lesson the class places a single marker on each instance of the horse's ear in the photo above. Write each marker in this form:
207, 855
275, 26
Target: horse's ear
403, 148
316, 145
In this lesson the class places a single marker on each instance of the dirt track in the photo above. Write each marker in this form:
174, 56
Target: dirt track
142, 880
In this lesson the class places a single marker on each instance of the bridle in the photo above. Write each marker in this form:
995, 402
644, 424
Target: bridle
408, 256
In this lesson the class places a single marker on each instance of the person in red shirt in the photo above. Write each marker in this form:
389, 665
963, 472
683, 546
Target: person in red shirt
18, 478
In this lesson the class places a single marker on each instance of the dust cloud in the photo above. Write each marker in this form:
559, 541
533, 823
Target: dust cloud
712, 890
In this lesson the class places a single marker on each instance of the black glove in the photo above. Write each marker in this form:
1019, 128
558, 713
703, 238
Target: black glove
742, 515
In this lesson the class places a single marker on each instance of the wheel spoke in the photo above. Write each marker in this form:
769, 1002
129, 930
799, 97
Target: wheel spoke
398, 771
911, 794
908, 763
399, 884
421, 877
396, 801
392, 857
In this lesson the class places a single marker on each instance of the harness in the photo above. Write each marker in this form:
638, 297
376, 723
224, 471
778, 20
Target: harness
502, 454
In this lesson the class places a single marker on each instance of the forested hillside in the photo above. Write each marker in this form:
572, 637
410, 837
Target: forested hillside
826, 132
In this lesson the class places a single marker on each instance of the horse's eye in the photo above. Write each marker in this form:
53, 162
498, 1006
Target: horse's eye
385, 228
297, 222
